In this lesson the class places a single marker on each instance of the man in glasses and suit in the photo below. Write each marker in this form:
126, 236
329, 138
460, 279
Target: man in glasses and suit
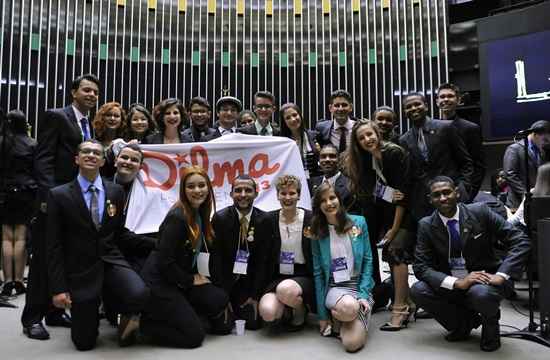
85, 265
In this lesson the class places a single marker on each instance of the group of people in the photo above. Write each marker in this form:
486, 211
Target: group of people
411, 194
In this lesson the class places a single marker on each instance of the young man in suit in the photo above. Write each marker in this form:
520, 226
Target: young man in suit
85, 264
60, 131
435, 149
447, 100
337, 131
264, 108
199, 113
328, 163
461, 278
538, 152
241, 249
227, 111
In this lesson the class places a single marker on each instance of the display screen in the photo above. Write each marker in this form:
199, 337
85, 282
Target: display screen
518, 81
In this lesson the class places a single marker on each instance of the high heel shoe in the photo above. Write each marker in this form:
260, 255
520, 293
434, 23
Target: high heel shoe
404, 313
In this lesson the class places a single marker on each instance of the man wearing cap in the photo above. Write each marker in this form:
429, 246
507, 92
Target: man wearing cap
264, 107
514, 161
227, 110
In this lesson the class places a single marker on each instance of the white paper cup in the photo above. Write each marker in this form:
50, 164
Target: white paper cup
239, 327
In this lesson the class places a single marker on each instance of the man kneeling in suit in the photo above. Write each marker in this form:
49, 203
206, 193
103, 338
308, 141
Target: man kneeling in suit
242, 251
461, 279
84, 262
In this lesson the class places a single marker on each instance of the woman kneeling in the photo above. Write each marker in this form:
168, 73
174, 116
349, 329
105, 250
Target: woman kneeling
289, 296
342, 269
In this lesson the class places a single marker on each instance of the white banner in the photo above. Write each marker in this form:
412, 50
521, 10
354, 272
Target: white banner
263, 158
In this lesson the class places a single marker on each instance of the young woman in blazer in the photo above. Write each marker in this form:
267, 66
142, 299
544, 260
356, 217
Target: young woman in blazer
378, 170
289, 295
342, 269
178, 271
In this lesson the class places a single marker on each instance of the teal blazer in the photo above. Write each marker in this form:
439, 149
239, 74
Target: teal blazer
362, 262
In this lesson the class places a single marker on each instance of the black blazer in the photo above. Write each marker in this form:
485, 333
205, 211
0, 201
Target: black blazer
158, 138
471, 135
251, 129
447, 156
19, 169
276, 248
76, 249
480, 230
213, 135
171, 263
342, 187
188, 135
58, 138
226, 227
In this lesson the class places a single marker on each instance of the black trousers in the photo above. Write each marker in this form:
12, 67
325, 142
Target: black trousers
38, 302
238, 296
454, 309
126, 293
172, 315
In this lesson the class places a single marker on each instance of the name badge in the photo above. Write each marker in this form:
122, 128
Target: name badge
458, 267
384, 192
241, 262
202, 264
339, 269
286, 263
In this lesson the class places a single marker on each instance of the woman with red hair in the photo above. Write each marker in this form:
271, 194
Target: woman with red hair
109, 123
178, 271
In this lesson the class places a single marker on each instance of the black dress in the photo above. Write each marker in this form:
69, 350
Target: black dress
19, 179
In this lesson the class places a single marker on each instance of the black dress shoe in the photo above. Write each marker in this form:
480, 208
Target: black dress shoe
36, 331
490, 336
463, 333
59, 319
5, 303
423, 314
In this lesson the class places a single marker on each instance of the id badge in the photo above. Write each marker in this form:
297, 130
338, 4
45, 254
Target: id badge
286, 263
340, 271
241, 262
202, 264
384, 192
458, 267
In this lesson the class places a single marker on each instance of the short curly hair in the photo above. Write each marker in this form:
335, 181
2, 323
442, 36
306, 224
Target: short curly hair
288, 180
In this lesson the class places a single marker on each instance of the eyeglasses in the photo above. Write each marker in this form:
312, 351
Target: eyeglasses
263, 107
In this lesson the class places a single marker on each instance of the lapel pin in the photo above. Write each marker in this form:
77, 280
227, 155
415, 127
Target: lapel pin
111, 208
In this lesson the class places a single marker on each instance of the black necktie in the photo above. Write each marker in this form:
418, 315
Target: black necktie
264, 131
94, 208
343, 144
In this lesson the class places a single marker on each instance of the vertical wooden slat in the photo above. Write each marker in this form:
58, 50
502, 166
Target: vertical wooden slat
438, 43
430, 60
39, 58
383, 63
2, 14
29, 45
123, 84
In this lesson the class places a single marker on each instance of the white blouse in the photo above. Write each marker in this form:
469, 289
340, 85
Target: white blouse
291, 236
340, 246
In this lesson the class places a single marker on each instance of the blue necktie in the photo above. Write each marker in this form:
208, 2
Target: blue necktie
85, 130
456, 244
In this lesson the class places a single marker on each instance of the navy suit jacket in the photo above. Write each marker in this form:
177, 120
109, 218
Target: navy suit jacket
480, 230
